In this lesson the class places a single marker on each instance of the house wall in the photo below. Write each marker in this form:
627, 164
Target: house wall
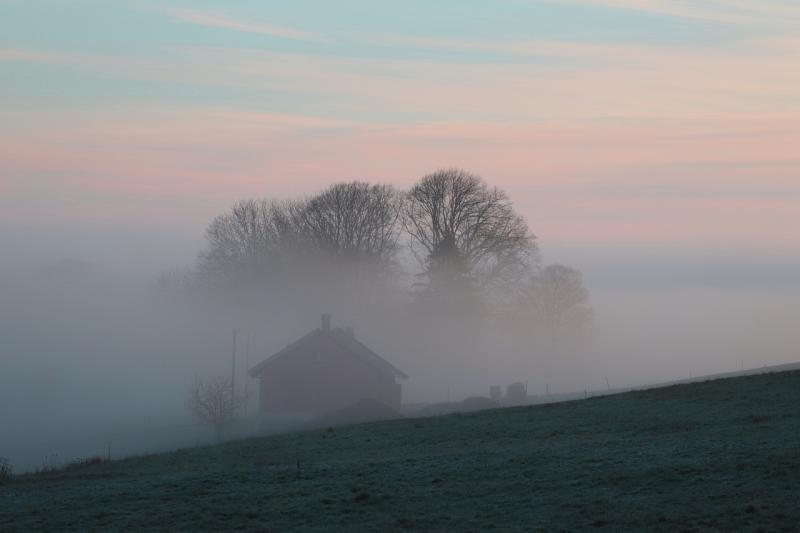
321, 376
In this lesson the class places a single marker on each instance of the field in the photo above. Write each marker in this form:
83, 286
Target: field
722, 454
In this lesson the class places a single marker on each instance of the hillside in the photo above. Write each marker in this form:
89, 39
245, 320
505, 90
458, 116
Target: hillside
722, 454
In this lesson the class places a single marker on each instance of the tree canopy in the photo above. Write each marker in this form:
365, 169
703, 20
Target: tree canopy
466, 235
458, 241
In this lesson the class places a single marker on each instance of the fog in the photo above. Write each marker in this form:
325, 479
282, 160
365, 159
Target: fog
95, 353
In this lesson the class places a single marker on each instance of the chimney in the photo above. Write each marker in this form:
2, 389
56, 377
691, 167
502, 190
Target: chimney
326, 322
350, 332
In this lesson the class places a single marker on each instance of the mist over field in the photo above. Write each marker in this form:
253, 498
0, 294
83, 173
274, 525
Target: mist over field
94, 351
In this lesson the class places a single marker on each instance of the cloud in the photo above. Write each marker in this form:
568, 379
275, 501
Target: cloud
211, 20
38, 56
741, 12
598, 81
595, 80
604, 81
504, 46
567, 175
650, 122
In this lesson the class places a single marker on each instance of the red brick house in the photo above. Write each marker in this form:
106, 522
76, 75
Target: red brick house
325, 370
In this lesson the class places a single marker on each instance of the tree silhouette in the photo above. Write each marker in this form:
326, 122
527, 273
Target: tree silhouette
466, 236
560, 300
213, 401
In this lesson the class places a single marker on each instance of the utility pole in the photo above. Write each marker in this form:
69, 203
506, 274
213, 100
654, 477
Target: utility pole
233, 369
246, 368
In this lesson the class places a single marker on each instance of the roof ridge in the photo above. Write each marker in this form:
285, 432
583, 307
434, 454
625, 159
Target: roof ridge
352, 341
254, 371
346, 341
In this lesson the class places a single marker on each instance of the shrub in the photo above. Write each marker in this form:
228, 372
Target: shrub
6, 473
50, 464
94, 460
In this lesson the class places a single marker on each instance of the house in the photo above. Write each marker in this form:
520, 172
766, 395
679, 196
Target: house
325, 370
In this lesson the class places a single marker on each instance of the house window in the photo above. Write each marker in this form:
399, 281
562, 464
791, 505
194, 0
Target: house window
319, 358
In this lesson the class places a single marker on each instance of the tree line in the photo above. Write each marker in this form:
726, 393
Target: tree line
458, 241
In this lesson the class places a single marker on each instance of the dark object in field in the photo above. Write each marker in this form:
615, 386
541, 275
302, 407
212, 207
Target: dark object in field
516, 394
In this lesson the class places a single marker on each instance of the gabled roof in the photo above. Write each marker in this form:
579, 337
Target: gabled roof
341, 338
360, 349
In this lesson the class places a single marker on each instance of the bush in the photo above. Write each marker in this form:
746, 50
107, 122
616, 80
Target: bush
6, 473
94, 460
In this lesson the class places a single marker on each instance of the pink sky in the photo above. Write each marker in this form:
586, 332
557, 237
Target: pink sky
602, 142
722, 179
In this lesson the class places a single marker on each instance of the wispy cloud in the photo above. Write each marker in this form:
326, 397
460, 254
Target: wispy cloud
214, 20
621, 136
747, 12
600, 80
38, 56
525, 47
594, 52
690, 178
604, 81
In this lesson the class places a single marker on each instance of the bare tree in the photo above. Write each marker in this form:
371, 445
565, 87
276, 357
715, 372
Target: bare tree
471, 244
249, 243
560, 300
466, 235
260, 241
213, 401
355, 221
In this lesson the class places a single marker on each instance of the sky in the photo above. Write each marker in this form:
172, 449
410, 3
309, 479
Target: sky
618, 127
653, 144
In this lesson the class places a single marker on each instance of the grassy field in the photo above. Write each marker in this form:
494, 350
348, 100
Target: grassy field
723, 455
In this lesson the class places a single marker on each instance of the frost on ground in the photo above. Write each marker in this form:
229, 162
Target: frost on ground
715, 455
